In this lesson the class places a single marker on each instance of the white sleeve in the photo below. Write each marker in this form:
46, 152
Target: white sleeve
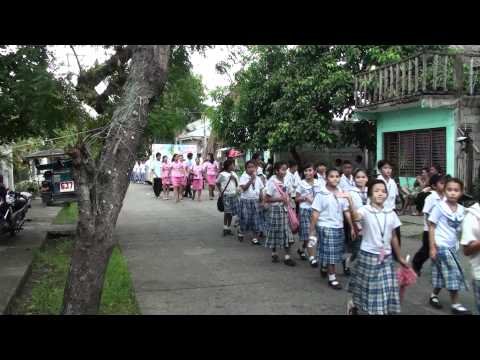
270, 188
435, 214
427, 207
244, 179
396, 220
317, 203
467, 230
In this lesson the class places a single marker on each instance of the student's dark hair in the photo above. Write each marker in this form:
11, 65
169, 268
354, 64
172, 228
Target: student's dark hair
256, 156
211, 158
436, 167
278, 165
347, 162
174, 156
382, 163
372, 183
250, 162
305, 167
164, 157
227, 163
292, 163
358, 171
359, 158
320, 164
338, 161
426, 168
435, 179
189, 155
158, 154
456, 181
327, 173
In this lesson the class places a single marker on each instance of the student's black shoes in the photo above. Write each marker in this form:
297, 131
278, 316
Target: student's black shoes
289, 262
314, 263
460, 310
334, 284
434, 302
255, 241
275, 258
302, 255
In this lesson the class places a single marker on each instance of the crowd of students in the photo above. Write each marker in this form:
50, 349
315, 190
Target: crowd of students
346, 218
187, 177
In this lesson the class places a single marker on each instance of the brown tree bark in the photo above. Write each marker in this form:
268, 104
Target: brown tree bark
296, 156
103, 184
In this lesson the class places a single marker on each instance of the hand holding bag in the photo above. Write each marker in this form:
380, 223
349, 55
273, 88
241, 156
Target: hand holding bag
292, 215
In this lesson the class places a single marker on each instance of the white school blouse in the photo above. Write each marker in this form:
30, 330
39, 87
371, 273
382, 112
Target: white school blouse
374, 222
447, 223
253, 191
272, 190
392, 192
430, 202
305, 189
330, 208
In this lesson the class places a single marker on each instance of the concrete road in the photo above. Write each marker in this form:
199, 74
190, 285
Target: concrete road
181, 264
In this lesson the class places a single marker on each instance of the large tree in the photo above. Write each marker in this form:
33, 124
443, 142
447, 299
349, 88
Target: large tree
288, 96
33, 102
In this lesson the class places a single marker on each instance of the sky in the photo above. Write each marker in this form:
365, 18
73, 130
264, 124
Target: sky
202, 65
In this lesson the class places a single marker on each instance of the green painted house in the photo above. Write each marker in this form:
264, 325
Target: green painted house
427, 111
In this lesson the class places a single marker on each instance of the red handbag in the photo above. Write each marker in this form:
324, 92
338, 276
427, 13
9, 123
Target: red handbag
292, 215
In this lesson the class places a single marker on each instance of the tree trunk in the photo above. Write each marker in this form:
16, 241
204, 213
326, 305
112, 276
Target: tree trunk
296, 156
103, 184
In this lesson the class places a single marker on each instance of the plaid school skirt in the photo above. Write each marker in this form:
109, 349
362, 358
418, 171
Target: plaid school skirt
278, 232
331, 245
231, 204
374, 285
250, 214
446, 270
305, 216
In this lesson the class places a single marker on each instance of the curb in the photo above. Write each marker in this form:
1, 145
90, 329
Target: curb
50, 237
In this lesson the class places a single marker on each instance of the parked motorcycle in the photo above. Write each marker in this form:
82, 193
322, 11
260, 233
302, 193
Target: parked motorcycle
13, 210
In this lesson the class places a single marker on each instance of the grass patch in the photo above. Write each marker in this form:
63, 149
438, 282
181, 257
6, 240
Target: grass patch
43, 292
67, 215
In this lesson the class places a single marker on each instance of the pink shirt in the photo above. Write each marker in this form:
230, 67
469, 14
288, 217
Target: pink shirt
178, 169
197, 172
211, 168
166, 169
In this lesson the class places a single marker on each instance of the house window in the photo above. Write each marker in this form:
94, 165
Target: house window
410, 151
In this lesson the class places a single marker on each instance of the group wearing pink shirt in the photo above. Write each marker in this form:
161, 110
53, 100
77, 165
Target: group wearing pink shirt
211, 168
166, 179
197, 171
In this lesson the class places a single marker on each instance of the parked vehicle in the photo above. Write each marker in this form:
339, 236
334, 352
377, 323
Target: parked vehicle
13, 211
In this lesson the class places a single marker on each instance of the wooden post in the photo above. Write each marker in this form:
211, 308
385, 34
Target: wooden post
391, 82
424, 72
380, 87
458, 71
403, 79
397, 81
409, 76
385, 77
375, 88
445, 73
370, 81
416, 74
435, 72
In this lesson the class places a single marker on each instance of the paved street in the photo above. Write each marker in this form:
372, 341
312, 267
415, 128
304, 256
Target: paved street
181, 264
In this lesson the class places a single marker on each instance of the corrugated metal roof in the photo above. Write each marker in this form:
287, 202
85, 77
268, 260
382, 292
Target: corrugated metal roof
45, 153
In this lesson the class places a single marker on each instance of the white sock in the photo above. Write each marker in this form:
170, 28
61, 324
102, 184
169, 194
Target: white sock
312, 258
332, 277
287, 256
225, 227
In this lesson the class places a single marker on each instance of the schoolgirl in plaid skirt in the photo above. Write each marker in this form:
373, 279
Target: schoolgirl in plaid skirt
278, 231
250, 212
373, 284
329, 210
304, 197
444, 228
227, 183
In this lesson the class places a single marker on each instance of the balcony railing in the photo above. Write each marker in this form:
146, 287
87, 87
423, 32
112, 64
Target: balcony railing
433, 73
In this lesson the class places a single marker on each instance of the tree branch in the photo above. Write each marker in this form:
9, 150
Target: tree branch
78, 61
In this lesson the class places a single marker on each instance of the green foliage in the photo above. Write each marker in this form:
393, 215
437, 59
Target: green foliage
32, 101
44, 289
30, 186
287, 96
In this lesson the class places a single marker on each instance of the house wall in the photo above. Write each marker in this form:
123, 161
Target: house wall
419, 118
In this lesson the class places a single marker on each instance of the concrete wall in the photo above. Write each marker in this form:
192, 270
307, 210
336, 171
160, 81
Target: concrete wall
419, 118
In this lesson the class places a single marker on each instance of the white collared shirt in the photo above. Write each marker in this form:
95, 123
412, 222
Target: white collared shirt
346, 183
292, 181
447, 223
305, 189
253, 191
375, 222
430, 202
330, 208
223, 180
272, 189
392, 192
